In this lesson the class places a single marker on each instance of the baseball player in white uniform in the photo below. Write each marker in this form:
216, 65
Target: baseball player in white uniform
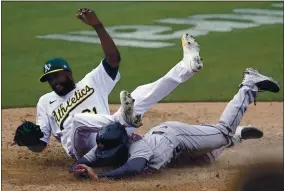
145, 96
68, 111
172, 140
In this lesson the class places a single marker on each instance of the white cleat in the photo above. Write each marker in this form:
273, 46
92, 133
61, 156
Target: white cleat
191, 51
246, 132
127, 110
264, 83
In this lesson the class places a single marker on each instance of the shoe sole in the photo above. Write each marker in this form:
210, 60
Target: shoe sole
187, 39
251, 133
267, 84
137, 121
127, 102
188, 42
198, 66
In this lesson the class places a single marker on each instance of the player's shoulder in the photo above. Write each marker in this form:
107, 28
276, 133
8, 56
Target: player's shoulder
141, 143
88, 78
102, 68
98, 68
140, 149
47, 97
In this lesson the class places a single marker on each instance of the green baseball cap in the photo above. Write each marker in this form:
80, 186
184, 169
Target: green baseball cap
54, 65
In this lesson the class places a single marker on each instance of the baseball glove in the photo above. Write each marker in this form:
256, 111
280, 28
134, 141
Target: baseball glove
28, 134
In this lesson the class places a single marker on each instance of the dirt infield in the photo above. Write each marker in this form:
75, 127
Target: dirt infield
24, 170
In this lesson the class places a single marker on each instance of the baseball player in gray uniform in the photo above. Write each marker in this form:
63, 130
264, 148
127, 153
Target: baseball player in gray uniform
173, 140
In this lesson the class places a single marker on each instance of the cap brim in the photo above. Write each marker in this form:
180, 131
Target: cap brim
107, 153
43, 77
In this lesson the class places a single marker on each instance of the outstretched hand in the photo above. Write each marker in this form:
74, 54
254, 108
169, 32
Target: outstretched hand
88, 16
81, 169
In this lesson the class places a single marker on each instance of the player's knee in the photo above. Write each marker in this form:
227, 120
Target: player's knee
76, 118
223, 127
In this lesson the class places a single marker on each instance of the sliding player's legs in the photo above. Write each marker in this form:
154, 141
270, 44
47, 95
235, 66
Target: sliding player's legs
198, 140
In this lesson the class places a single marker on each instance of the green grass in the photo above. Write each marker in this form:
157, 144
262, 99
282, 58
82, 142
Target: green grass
225, 54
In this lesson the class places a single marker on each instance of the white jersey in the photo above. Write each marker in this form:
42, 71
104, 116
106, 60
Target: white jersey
54, 113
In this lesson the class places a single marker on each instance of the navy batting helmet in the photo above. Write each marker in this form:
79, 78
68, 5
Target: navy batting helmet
112, 145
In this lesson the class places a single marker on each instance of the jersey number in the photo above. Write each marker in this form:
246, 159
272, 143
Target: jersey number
94, 110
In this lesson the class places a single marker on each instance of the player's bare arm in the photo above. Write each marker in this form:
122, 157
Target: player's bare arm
110, 50
129, 169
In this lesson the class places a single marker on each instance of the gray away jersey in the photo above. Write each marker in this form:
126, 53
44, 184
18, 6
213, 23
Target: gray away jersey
156, 148
166, 142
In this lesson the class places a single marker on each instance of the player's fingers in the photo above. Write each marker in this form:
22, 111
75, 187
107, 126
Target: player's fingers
82, 166
85, 10
78, 172
79, 169
81, 9
81, 17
